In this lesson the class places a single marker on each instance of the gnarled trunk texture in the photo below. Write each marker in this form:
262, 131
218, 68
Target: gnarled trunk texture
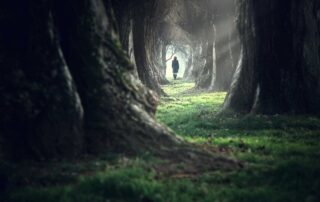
280, 69
123, 13
68, 89
41, 110
144, 39
139, 36
115, 104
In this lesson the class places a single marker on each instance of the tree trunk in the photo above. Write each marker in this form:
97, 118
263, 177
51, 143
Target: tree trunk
68, 89
143, 37
225, 43
118, 109
188, 76
123, 12
157, 59
205, 78
41, 110
164, 59
198, 61
219, 68
281, 50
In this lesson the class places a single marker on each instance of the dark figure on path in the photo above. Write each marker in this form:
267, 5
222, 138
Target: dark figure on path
175, 67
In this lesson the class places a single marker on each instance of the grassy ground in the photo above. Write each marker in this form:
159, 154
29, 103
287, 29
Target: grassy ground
281, 157
282, 153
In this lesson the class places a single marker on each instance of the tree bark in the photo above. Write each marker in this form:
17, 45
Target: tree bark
188, 76
118, 109
42, 114
68, 89
71, 88
280, 70
220, 39
157, 59
144, 44
163, 58
206, 76
225, 42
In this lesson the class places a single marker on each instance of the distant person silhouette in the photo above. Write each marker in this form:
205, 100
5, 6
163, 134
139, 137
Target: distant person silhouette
175, 67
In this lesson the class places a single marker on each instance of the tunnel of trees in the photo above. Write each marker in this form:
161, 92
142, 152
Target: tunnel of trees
84, 77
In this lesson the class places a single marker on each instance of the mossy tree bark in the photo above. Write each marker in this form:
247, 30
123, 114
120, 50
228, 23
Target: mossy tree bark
124, 12
137, 22
72, 88
68, 89
145, 45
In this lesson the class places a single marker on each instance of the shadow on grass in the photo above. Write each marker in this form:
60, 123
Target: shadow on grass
281, 155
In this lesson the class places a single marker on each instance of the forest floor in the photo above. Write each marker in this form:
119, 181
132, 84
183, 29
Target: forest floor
281, 156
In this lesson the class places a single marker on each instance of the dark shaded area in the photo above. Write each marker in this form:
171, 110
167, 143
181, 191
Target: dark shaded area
69, 90
83, 78
77, 93
279, 70
41, 110
147, 30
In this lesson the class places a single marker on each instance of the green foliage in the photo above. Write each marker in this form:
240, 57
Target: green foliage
281, 157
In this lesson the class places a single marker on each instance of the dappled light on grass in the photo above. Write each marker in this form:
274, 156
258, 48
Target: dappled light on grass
178, 87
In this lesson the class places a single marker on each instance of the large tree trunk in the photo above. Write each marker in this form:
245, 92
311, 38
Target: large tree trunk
220, 41
123, 12
144, 44
281, 50
68, 89
206, 76
41, 110
188, 76
164, 58
156, 52
118, 109
198, 59
225, 43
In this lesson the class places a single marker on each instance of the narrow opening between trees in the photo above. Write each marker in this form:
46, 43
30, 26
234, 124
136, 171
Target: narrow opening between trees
182, 53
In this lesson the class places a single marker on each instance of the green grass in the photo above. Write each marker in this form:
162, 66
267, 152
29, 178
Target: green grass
281, 155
